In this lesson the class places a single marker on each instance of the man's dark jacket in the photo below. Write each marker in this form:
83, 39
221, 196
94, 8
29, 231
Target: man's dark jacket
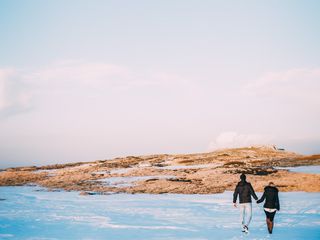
271, 196
245, 190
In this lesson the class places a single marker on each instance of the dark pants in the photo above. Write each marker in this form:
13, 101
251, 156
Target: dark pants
270, 215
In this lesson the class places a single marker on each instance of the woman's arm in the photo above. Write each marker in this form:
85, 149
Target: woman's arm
277, 203
262, 198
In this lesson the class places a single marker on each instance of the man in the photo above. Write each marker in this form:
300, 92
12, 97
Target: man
271, 204
245, 191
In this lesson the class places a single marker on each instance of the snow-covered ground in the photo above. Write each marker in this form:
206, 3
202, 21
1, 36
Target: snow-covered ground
198, 166
129, 181
32, 213
303, 169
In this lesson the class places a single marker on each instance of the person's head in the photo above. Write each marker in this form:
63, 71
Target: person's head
243, 177
271, 184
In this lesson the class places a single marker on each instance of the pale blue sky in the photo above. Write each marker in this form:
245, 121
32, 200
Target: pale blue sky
87, 80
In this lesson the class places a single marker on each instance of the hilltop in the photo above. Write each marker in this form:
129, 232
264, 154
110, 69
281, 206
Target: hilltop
201, 173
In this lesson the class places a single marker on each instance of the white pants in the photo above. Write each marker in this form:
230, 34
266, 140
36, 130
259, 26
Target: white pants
245, 213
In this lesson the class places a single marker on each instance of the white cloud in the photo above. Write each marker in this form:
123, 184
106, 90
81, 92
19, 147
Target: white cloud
235, 140
4, 76
69, 78
14, 97
302, 84
78, 73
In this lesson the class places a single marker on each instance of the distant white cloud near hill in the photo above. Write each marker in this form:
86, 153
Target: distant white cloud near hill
234, 140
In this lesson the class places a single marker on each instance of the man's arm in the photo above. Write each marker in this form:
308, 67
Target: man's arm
253, 193
235, 194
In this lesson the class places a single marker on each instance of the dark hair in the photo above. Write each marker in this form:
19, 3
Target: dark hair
243, 177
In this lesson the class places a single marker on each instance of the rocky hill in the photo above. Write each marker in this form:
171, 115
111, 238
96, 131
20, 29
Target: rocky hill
201, 173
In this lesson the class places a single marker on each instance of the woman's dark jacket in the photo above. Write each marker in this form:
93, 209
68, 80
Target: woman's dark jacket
245, 190
271, 196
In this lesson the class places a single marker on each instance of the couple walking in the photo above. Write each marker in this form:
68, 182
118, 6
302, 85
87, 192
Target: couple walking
245, 191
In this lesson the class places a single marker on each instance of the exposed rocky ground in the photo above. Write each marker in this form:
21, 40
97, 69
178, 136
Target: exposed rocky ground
203, 173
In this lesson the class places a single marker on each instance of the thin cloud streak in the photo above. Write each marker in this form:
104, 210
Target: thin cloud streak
302, 84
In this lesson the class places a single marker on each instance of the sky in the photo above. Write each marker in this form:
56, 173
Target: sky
88, 80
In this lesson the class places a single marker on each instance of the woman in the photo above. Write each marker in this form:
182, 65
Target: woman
271, 204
